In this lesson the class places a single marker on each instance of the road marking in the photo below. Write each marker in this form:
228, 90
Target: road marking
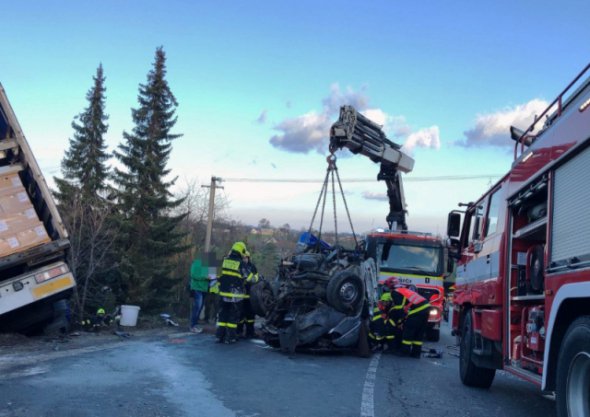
367, 403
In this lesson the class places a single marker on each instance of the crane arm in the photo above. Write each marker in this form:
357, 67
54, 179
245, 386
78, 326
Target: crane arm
361, 135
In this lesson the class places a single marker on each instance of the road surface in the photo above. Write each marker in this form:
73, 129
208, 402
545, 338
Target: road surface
182, 374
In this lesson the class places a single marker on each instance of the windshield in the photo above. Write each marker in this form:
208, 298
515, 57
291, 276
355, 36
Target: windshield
426, 260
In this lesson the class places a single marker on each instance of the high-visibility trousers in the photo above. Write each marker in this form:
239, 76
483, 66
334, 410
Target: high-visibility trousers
383, 331
229, 317
413, 332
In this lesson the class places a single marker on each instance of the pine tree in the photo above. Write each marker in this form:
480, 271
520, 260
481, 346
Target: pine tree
149, 235
84, 210
84, 163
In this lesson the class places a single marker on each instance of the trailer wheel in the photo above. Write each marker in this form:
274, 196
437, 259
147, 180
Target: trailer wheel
345, 291
471, 374
573, 371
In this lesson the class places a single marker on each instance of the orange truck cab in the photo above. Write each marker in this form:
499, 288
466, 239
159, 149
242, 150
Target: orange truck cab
416, 259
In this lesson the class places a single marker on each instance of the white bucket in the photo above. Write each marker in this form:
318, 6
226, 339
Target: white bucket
129, 315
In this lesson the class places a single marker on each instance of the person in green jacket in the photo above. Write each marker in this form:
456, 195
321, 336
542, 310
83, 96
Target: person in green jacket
199, 286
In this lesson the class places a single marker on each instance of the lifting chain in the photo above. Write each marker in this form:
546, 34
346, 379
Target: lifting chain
331, 174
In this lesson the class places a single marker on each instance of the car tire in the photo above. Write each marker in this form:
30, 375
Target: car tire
573, 370
471, 374
261, 298
345, 291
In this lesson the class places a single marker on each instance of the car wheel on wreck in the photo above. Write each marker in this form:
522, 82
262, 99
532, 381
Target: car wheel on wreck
261, 298
345, 291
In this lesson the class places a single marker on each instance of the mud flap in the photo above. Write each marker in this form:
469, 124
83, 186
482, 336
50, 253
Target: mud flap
288, 338
363, 348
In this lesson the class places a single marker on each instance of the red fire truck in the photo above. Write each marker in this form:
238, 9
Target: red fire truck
522, 298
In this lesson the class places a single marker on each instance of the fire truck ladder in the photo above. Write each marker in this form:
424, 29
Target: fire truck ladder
525, 138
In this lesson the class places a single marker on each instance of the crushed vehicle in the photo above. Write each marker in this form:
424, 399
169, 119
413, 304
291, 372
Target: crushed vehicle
320, 300
324, 295
35, 279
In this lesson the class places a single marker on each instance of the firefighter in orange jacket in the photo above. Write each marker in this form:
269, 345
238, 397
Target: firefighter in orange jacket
411, 309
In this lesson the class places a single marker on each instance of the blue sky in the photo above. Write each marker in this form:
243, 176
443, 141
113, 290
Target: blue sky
259, 83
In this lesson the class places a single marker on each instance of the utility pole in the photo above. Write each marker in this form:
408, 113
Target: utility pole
212, 187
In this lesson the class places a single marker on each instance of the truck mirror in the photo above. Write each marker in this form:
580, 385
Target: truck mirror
477, 246
454, 224
454, 251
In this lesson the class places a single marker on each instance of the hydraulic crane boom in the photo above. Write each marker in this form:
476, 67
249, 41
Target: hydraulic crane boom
361, 135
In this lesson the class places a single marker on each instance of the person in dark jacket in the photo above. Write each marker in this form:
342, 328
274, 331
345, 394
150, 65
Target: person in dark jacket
232, 293
248, 315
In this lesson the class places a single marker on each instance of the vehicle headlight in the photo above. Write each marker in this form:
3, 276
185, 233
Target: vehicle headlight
433, 312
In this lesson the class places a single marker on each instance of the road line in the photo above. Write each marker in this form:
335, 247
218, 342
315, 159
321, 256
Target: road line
367, 403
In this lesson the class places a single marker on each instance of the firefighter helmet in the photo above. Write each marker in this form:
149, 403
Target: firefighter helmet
392, 283
239, 247
100, 311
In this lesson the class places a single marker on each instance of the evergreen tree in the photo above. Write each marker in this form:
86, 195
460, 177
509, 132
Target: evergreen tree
149, 236
84, 163
84, 211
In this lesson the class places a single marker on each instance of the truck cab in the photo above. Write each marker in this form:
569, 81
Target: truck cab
416, 259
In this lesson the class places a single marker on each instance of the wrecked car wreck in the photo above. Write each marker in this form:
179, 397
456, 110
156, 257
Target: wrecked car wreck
320, 300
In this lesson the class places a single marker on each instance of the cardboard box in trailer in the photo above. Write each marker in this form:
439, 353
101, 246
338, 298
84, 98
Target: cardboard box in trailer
35, 279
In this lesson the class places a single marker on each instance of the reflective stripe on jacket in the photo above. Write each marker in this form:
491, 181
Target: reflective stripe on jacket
231, 281
408, 301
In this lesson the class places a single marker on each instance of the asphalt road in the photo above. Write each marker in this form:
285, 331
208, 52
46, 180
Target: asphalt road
189, 375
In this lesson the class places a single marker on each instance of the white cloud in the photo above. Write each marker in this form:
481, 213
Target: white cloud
425, 138
376, 115
311, 131
493, 129
303, 134
337, 98
369, 195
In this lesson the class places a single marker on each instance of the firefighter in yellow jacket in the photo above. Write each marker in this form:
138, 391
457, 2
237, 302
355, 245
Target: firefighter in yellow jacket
384, 334
232, 293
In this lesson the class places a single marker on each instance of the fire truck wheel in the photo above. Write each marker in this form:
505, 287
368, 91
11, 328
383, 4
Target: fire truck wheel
471, 374
573, 370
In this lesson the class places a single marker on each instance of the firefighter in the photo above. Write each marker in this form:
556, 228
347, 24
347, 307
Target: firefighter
232, 293
411, 309
99, 320
248, 315
383, 332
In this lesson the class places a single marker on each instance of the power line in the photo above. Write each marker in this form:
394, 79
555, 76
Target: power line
351, 180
